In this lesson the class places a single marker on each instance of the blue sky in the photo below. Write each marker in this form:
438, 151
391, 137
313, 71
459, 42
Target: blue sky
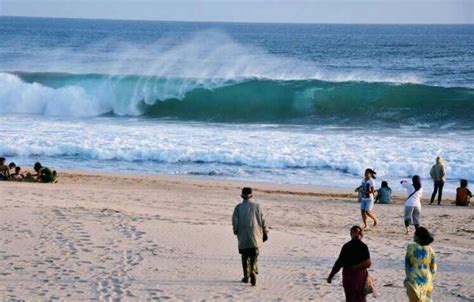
296, 11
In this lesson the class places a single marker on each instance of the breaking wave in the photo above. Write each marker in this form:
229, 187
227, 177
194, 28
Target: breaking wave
234, 100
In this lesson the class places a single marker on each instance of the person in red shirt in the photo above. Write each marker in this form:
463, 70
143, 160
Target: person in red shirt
463, 194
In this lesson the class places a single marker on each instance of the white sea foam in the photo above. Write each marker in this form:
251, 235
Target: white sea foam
109, 95
292, 153
17, 96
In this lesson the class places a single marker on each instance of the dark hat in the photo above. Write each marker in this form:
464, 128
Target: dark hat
246, 193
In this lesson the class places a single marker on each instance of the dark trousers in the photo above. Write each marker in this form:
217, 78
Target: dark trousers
438, 188
353, 282
249, 261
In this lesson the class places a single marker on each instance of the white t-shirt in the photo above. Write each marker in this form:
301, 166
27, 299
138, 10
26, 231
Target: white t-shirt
415, 199
364, 184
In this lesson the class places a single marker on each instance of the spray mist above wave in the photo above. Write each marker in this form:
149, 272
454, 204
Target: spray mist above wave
207, 56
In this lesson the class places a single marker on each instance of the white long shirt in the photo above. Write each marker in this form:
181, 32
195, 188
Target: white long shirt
415, 199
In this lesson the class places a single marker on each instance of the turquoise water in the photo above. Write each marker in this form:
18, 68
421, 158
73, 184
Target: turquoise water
275, 102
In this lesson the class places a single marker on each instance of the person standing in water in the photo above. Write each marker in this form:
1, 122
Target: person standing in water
354, 259
249, 227
438, 174
367, 190
413, 202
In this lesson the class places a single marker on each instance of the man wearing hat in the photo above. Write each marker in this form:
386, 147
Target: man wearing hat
251, 231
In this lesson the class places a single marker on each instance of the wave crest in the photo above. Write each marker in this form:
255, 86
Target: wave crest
256, 100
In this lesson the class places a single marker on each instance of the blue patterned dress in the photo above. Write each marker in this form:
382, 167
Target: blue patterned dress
420, 268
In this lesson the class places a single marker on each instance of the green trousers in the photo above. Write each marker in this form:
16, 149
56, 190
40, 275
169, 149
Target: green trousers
249, 261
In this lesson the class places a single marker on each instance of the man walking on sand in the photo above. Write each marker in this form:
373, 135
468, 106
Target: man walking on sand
251, 231
438, 174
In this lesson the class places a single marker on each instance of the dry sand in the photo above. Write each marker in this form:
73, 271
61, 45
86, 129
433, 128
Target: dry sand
127, 237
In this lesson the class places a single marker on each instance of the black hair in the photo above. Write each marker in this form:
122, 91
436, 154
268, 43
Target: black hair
463, 183
372, 172
2, 159
357, 230
416, 182
37, 166
423, 236
246, 191
11, 165
384, 184
17, 169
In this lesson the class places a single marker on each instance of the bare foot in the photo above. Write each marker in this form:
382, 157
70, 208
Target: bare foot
375, 222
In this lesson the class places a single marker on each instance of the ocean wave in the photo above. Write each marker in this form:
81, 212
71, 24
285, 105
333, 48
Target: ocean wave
235, 100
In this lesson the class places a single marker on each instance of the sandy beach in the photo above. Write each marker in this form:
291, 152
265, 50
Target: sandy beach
135, 237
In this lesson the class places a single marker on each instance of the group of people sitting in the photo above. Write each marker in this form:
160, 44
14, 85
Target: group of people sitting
12, 172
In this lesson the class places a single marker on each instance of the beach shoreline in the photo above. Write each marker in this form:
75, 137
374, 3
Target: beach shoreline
68, 176
135, 237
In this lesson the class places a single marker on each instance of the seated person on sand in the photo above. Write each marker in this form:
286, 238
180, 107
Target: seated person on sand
11, 168
29, 177
384, 194
4, 171
17, 176
463, 195
44, 174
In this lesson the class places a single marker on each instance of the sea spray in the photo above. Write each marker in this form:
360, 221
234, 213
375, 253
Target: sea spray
210, 56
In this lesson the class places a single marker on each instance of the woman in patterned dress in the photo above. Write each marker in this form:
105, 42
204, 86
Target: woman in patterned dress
420, 267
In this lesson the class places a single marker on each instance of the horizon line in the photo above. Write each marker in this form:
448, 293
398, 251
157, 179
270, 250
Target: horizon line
230, 22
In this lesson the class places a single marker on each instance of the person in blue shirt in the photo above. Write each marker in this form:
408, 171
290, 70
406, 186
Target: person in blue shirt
384, 194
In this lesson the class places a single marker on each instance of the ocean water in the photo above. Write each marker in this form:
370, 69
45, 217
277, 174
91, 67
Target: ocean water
302, 104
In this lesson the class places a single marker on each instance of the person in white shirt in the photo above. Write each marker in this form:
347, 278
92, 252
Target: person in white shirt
366, 192
413, 202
